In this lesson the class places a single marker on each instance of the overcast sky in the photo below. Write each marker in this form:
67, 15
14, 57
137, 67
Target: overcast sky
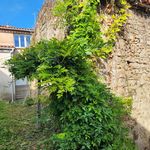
19, 13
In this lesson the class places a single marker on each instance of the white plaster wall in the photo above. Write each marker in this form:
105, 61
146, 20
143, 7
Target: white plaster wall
5, 77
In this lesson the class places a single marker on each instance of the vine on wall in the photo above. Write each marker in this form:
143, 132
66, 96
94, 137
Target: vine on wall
108, 17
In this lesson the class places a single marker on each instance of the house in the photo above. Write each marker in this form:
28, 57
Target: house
12, 40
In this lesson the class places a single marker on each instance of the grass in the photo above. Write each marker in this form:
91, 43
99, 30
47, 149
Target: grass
17, 128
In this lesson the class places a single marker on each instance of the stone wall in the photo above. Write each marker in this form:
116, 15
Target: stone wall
129, 73
128, 69
47, 26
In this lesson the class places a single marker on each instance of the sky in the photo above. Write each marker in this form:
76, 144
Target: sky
19, 13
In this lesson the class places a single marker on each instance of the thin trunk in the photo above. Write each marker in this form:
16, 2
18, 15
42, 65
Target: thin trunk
38, 108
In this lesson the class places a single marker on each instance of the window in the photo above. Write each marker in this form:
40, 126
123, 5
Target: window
22, 43
21, 40
16, 38
28, 40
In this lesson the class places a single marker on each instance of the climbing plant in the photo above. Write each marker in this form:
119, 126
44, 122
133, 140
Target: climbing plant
90, 117
84, 22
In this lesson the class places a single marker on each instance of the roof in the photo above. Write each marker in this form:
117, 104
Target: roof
8, 28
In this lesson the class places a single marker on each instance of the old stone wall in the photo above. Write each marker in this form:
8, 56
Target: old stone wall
128, 69
129, 73
47, 26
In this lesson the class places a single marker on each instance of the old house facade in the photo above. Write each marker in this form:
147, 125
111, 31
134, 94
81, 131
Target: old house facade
12, 40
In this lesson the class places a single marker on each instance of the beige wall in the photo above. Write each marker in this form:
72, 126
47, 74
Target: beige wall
129, 73
6, 39
47, 26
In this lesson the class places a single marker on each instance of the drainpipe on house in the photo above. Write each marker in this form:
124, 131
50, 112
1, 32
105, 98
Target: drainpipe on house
13, 80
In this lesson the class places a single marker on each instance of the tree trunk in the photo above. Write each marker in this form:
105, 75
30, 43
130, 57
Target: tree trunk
38, 108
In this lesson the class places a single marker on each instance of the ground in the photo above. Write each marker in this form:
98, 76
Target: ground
17, 127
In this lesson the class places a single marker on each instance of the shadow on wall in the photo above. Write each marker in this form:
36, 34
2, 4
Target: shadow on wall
5, 85
138, 75
140, 134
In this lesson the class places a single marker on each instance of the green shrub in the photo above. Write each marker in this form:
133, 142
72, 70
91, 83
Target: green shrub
91, 117
29, 101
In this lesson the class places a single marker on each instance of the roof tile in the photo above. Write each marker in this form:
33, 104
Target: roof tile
15, 28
